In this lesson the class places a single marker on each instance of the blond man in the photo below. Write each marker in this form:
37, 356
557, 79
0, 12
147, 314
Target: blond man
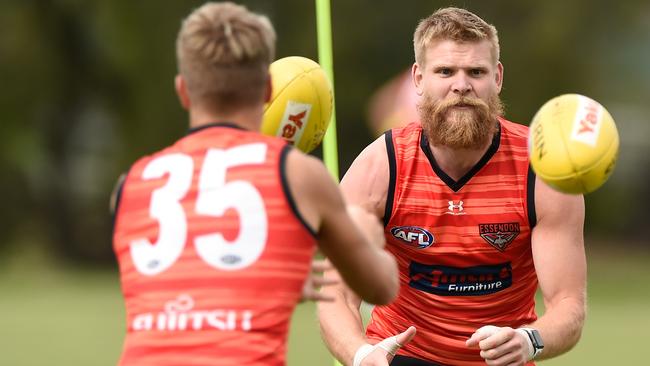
473, 230
214, 234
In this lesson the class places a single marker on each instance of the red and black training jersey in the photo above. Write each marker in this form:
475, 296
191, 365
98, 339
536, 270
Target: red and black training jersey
463, 247
212, 252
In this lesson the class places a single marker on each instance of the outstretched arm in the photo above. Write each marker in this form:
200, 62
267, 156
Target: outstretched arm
559, 255
365, 184
351, 238
340, 321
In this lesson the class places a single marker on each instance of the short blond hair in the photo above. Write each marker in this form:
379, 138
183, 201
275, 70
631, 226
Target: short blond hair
224, 52
454, 24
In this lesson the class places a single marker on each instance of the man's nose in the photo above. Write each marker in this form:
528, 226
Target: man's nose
461, 84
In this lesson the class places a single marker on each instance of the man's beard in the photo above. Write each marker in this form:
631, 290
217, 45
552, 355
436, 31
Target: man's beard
468, 128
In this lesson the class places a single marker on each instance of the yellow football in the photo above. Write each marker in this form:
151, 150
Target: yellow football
573, 144
301, 102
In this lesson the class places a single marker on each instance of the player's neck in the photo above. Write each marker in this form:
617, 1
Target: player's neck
248, 118
457, 162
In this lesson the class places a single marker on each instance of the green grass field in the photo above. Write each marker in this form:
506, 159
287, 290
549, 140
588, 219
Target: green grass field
51, 316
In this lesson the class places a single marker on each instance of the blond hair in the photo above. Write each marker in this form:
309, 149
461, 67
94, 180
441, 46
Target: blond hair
223, 52
454, 24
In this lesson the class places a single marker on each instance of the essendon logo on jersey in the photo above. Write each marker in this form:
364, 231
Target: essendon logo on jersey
294, 121
413, 236
499, 235
460, 281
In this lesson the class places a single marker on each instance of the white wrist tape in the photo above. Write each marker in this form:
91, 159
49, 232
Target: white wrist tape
389, 345
531, 348
361, 353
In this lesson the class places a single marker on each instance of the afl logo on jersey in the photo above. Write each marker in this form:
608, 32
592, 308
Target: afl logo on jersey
413, 236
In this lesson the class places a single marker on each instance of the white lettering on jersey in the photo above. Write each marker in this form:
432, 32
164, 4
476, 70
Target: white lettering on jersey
179, 316
216, 195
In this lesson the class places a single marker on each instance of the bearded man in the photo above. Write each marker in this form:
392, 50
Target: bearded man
473, 230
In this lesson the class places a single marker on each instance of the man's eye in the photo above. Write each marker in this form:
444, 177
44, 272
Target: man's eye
444, 71
477, 72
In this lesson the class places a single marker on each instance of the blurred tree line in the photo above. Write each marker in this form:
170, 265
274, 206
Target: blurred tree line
87, 88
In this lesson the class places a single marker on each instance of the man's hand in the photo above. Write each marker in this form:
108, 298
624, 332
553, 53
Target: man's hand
501, 346
315, 280
382, 353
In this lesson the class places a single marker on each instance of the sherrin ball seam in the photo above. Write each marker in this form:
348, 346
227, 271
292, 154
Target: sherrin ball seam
567, 151
290, 81
586, 170
315, 89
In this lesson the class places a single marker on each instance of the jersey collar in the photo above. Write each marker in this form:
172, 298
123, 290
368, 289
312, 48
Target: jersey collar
214, 124
457, 185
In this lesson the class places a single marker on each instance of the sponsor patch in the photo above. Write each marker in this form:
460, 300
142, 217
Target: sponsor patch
460, 281
294, 121
180, 315
587, 123
499, 235
413, 236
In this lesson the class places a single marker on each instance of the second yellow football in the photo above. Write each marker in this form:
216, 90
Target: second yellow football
573, 144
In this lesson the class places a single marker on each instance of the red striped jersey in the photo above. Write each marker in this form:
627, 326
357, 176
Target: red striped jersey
212, 252
463, 247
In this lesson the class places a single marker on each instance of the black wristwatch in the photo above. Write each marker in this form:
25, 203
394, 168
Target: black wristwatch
536, 340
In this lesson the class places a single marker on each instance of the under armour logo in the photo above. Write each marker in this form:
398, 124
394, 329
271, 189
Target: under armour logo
455, 209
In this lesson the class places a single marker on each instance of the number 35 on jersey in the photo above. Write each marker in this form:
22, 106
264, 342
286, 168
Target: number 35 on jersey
215, 196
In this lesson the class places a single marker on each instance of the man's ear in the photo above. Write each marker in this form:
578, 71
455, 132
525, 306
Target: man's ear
181, 91
499, 76
416, 74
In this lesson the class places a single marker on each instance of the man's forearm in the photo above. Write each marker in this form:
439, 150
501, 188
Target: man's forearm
561, 326
341, 328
